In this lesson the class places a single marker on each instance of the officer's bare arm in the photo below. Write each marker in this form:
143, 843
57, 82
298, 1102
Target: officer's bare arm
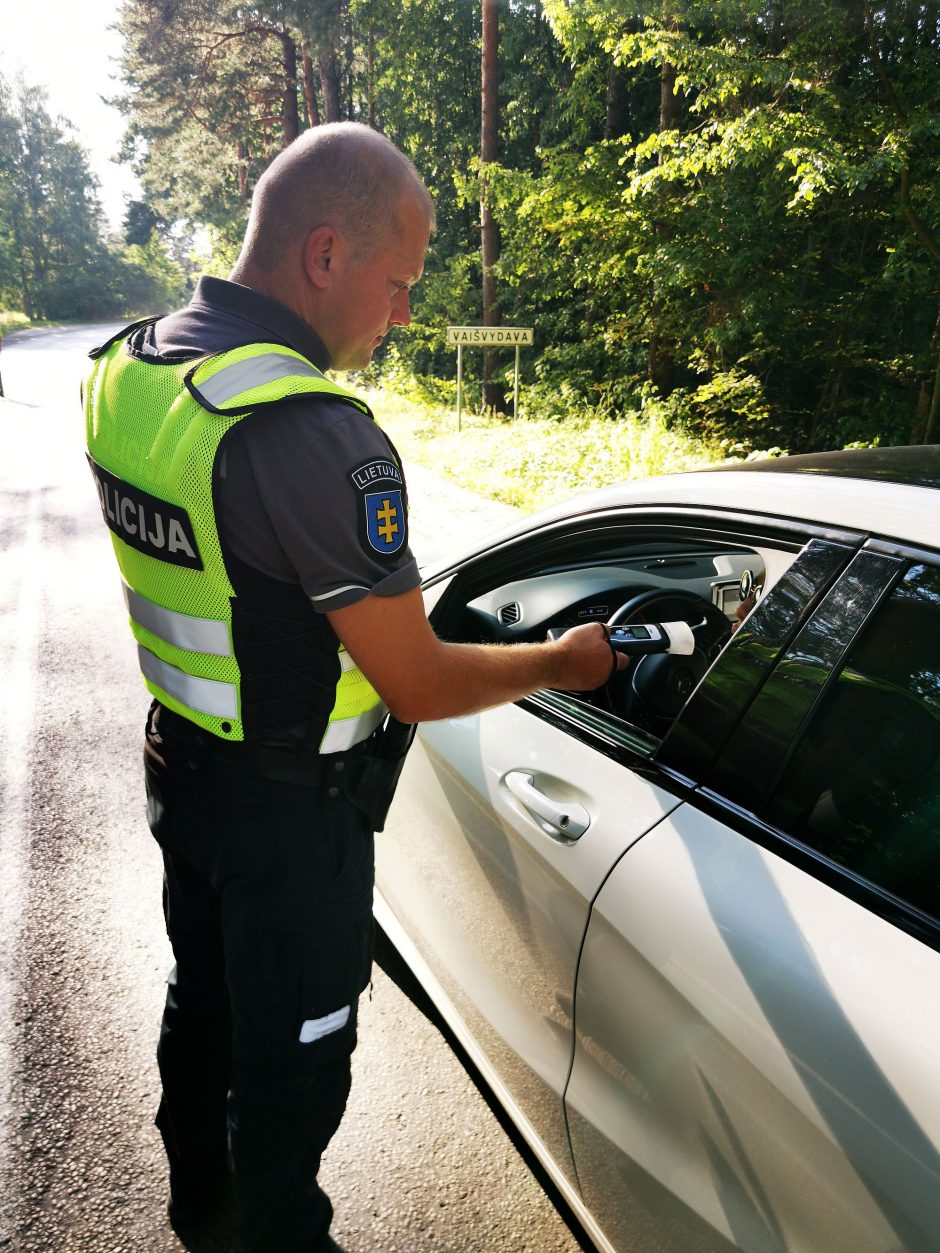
421, 678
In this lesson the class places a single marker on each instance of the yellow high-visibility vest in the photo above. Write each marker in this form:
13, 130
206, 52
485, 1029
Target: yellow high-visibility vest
153, 430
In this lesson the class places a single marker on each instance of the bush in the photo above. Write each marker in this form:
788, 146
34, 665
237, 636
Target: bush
730, 410
13, 320
538, 460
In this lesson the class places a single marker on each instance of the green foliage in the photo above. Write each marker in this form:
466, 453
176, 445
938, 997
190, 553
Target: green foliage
761, 233
722, 215
50, 250
427, 100
536, 462
55, 260
729, 411
199, 79
149, 279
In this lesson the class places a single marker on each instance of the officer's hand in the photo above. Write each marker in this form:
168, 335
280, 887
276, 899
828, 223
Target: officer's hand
586, 659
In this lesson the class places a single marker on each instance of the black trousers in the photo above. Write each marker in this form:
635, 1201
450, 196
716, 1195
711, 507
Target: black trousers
268, 904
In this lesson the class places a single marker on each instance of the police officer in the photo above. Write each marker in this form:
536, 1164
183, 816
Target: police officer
258, 516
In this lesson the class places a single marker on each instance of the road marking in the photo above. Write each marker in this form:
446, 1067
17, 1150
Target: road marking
17, 716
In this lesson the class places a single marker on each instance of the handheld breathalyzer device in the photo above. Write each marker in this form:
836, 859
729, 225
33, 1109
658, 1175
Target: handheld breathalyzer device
639, 639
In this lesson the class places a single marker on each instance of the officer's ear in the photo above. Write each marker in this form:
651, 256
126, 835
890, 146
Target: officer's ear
323, 252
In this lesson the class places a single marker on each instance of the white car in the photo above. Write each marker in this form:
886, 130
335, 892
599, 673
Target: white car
688, 927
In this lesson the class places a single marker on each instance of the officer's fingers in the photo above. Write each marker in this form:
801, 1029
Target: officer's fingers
588, 661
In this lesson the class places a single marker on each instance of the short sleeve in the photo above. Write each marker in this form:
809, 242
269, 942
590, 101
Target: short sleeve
314, 492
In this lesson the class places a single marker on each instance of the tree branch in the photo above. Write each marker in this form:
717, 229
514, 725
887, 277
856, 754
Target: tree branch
916, 225
920, 230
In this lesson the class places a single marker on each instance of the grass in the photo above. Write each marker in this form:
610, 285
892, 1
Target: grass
13, 320
534, 462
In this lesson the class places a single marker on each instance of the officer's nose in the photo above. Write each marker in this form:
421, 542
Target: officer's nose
401, 309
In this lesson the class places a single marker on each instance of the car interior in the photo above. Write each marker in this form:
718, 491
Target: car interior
711, 586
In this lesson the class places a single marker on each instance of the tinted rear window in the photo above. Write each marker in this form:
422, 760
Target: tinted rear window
863, 786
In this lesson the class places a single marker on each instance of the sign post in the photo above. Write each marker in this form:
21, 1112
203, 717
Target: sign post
489, 337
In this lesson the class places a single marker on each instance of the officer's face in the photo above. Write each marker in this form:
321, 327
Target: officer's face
373, 294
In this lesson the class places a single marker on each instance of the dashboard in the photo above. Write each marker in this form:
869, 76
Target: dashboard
524, 609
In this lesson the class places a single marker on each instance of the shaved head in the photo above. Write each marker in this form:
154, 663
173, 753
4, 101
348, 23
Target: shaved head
343, 175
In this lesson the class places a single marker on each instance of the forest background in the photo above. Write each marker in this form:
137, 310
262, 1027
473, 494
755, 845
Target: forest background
722, 217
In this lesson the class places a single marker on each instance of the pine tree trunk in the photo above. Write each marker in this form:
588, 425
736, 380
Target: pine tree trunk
310, 93
668, 104
489, 151
348, 76
370, 85
617, 120
661, 366
29, 307
26, 290
291, 123
932, 432
330, 85
241, 167
932, 428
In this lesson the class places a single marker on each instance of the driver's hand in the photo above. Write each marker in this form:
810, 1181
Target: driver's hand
586, 659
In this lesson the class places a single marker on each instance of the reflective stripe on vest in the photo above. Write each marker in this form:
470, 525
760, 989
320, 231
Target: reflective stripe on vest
206, 696
243, 376
248, 380
342, 733
209, 696
199, 635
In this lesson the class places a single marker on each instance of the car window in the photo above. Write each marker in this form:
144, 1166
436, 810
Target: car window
676, 575
642, 568
863, 786
723, 697
750, 763
635, 571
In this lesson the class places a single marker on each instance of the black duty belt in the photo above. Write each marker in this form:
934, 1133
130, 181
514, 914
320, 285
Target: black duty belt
185, 742
366, 774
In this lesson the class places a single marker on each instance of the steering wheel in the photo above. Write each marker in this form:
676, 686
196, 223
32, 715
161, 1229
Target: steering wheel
654, 688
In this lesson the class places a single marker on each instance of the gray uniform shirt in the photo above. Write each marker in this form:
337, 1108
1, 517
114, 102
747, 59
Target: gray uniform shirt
289, 501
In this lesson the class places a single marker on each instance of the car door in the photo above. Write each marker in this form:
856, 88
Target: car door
483, 868
486, 866
758, 998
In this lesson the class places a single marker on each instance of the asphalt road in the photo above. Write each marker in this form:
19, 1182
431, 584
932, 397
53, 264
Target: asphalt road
419, 1162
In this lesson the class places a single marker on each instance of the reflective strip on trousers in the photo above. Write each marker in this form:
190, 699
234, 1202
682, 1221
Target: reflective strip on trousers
205, 696
317, 1028
198, 635
243, 376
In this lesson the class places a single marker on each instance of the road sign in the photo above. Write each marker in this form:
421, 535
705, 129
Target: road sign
485, 336
489, 337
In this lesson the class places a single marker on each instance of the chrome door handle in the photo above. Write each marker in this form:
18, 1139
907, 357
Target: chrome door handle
565, 819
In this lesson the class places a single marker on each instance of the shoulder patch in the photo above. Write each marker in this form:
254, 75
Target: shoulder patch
383, 526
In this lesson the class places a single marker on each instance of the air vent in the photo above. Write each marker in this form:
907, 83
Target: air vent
510, 614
